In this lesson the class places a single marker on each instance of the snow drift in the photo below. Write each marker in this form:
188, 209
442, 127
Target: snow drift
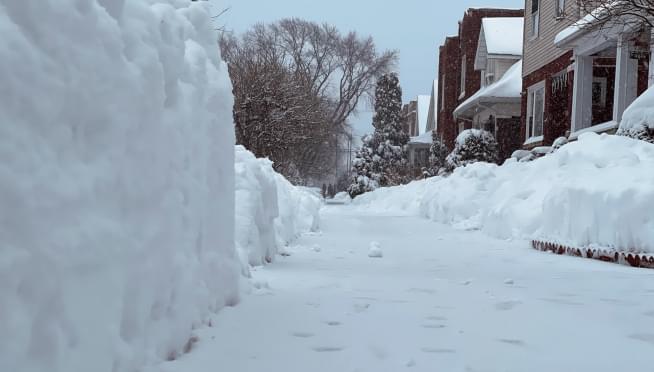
270, 212
116, 182
598, 190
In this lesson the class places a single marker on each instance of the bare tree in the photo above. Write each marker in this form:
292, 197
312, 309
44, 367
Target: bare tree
600, 14
295, 85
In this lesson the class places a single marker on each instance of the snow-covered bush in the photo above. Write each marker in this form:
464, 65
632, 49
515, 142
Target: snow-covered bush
638, 119
116, 182
596, 190
471, 146
270, 211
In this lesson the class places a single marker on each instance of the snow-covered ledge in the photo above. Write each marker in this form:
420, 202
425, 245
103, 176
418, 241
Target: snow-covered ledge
599, 128
533, 140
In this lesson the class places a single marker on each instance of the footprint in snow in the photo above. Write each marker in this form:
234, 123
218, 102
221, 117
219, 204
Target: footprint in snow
435, 350
511, 341
333, 323
507, 305
302, 334
645, 337
434, 326
649, 313
361, 307
327, 349
436, 317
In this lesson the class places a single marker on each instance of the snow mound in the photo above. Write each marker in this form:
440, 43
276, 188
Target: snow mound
116, 230
597, 190
638, 118
270, 211
375, 250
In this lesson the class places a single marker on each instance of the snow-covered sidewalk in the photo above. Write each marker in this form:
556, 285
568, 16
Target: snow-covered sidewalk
438, 300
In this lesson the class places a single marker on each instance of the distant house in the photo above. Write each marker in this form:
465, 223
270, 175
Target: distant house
418, 152
458, 79
410, 118
496, 106
418, 146
414, 115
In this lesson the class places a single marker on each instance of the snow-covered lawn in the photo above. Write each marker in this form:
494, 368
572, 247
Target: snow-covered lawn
439, 299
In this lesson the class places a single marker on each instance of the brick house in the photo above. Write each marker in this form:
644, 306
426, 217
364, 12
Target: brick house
410, 118
570, 74
457, 78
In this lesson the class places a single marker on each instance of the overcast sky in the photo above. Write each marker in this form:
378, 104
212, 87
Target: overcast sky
414, 27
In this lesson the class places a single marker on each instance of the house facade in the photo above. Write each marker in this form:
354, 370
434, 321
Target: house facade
577, 79
547, 72
495, 107
457, 78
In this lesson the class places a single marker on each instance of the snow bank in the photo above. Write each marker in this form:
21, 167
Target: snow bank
270, 211
639, 116
598, 190
116, 140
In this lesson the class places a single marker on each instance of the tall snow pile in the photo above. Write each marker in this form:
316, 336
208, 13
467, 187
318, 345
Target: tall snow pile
270, 211
116, 182
598, 190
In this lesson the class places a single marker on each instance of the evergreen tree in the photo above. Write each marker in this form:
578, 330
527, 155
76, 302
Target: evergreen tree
382, 158
437, 156
364, 179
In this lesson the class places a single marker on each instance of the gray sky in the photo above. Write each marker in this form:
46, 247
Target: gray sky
414, 27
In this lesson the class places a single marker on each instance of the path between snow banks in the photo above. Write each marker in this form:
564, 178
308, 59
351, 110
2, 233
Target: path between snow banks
439, 300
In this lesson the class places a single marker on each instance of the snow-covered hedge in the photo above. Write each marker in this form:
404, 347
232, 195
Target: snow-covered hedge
471, 146
116, 182
270, 212
638, 119
597, 190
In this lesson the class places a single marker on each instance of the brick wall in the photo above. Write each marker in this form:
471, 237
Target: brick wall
448, 83
558, 108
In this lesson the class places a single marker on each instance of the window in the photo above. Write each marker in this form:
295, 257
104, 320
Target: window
560, 9
535, 110
463, 76
535, 18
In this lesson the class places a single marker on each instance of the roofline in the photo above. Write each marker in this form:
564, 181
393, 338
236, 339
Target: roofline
462, 110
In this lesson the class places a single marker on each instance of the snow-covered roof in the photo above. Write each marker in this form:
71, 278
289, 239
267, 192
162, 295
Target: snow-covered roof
423, 111
507, 88
503, 35
628, 22
424, 138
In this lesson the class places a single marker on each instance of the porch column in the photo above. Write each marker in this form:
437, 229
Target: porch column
626, 79
650, 81
582, 96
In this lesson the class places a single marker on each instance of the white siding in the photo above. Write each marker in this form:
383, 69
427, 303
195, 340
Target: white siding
541, 50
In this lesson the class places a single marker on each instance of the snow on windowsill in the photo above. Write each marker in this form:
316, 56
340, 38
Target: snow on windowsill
533, 140
599, 128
